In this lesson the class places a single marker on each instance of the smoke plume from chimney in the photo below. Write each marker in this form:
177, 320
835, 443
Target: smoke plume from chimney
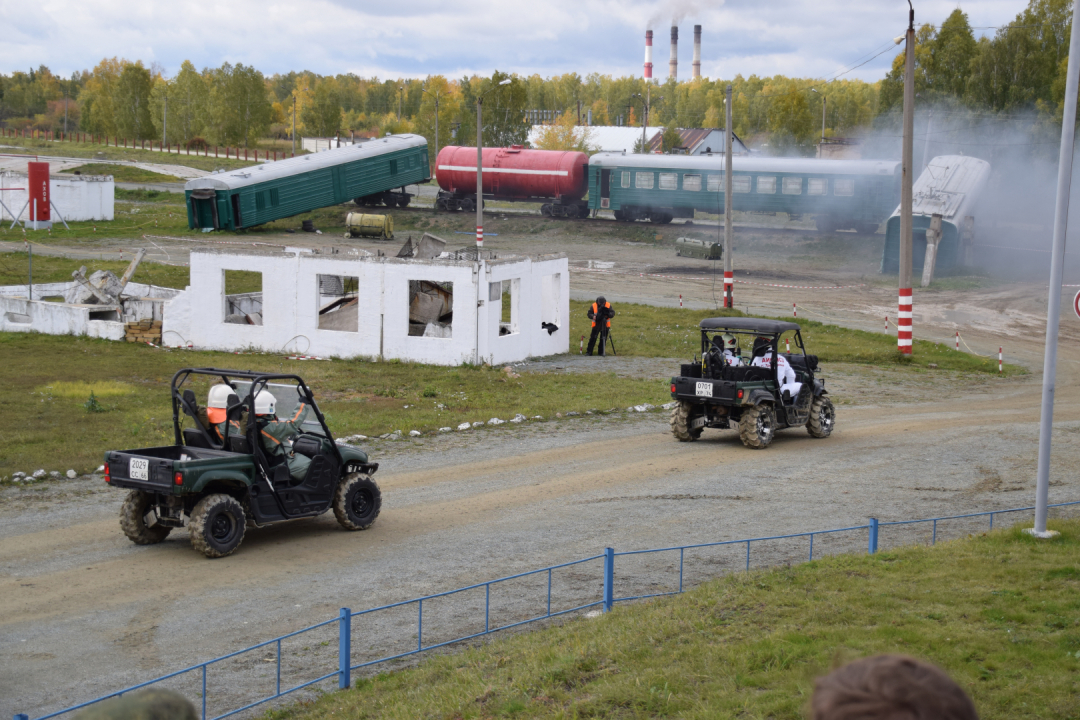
648, 55
673, 64
697, 51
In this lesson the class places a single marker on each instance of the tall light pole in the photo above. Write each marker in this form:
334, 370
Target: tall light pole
729, 277
824, 100
903, 320
294, 93
401, 93
1053, 305
480, 167
436, 96
646, 105
165, 117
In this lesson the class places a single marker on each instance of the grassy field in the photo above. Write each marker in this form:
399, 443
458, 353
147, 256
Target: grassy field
124, 173
93, 150
999, 613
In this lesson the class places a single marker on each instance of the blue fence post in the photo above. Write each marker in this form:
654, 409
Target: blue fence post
344, 648
872, 547
22, 716
609, 578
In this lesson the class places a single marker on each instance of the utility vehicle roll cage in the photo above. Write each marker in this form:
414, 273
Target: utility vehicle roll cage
756, 327
185, 399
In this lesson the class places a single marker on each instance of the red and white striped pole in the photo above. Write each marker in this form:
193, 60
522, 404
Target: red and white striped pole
787, 343
479, 236
958, 340
794, 310
1000, 366
886, 323
680, 300
729, 289
903, 322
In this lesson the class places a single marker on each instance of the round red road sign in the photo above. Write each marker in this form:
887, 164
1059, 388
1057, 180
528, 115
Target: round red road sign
1076, 304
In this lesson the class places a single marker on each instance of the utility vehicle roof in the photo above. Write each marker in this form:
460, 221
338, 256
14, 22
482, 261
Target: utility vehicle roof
762, 325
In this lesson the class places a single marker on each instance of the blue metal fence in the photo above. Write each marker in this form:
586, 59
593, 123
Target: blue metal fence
344, 620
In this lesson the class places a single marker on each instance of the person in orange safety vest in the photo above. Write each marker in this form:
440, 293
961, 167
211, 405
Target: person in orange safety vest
600, 313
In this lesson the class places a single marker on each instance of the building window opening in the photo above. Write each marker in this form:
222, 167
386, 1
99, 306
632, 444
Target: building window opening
339, 306
509, 296
243, 297
550, 295
431, 309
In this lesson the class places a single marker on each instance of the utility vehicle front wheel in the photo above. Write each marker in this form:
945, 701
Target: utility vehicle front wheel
357, 501
757, 426
217, 525
822, 418
681, 416
133, 519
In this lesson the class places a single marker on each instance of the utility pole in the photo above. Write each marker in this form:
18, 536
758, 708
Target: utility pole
903, 320
824, 100
480, 169
65, 112
293, 123
1053, 305
401, 93
729, 276
436, 96
165, 118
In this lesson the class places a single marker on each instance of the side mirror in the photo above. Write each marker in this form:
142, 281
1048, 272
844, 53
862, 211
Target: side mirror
189, 399
233, 406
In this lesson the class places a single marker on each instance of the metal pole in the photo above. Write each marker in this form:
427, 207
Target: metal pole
65, 112
479, 179
294, 123
436, 131
30, 270
1057, 261
903, 334
645, 116
824, 101
729, 277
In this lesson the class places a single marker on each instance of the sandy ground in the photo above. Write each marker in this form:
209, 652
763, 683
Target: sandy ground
84, 611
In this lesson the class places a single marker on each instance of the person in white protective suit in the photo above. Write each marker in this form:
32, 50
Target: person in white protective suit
763, 355
732, 353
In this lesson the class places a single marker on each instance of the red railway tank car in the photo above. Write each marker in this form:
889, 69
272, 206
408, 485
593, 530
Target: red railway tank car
558, 179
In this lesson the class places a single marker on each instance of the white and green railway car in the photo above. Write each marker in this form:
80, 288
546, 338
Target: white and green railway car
375, 171
842, 194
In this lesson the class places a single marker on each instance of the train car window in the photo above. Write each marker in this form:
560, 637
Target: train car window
669, 181
691, 183
626, 179
766, 185
817, 186
715, 182
792, 186
843, 188
275, 198
644, 180
260, 200
740, 183
393, 167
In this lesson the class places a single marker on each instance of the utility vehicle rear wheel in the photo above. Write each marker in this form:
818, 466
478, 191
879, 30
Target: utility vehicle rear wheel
757, 426
133, 519
681, 416
822, 418
217, 525
357, 501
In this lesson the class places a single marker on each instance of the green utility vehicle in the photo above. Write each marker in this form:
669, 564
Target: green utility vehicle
740, 381
218, 479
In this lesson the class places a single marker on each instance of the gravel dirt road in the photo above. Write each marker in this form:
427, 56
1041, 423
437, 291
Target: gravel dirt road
84, 611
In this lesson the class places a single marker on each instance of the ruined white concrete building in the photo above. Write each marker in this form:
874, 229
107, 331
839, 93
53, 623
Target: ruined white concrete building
443, 311
48, 312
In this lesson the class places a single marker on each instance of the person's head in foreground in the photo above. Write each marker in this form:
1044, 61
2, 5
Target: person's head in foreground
890, 687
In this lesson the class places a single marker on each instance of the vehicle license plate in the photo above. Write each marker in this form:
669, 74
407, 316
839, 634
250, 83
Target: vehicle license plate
704, 389
138, 469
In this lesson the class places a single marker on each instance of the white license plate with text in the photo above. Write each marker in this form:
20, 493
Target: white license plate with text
138, 469
703, 389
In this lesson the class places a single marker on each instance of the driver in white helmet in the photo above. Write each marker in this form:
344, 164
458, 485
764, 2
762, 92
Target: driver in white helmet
732, 352
277, 435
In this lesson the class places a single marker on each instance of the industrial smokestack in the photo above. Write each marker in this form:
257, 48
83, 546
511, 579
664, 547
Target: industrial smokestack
697, 51
648, 55
673, 64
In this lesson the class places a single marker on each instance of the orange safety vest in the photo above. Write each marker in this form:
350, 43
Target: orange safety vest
595, 312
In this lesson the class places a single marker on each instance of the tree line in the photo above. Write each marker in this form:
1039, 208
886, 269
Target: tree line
1021, 68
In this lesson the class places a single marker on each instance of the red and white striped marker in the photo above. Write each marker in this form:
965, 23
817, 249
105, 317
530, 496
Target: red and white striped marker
729, 289
903, 322
794, 310
958, 340
1000, 366
680, 301
886, 323
581, 346
787, 342
479, 236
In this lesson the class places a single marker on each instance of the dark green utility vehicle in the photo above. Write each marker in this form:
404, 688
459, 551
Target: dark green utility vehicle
217, 479
758, 392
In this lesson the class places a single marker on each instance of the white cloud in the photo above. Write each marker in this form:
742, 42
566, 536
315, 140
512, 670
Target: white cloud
799, 38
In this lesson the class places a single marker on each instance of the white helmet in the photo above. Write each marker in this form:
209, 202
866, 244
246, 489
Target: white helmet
265, 403
730, 343
219, 396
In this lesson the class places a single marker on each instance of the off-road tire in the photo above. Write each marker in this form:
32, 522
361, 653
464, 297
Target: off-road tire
132, 522
680, 423
822, 418
217, 525
757, 426
357, 501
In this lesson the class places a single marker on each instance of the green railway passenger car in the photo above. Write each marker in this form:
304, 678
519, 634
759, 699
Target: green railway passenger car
367, 172
842, 194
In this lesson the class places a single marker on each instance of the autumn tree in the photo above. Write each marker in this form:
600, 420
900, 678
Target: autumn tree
239, 105
131, 102
323, 115
565, 134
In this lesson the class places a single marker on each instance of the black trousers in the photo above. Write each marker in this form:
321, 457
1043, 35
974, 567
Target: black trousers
602, 332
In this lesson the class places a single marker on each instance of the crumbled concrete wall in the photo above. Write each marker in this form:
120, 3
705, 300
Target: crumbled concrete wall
291, 300
18, 314
79, 197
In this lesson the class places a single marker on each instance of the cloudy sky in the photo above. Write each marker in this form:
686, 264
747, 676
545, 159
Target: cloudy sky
821, 38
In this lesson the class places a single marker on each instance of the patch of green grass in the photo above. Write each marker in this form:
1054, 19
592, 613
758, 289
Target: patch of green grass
52, 430
124, 173
984, 609
50, 269
80, 389
649, 331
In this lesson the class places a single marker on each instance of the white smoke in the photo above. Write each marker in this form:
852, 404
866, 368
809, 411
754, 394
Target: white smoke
677, 10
